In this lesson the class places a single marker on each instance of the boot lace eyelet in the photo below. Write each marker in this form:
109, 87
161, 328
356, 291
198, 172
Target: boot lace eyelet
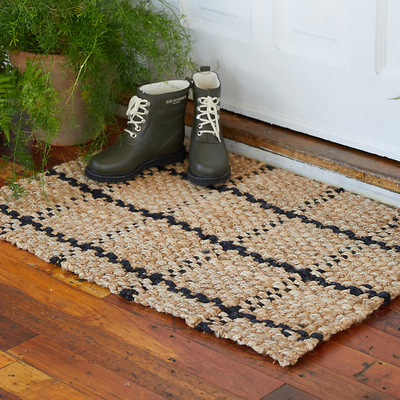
138, 129
133, 135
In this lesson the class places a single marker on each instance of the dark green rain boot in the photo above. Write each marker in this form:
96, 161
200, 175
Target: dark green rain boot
153, 137
208, 157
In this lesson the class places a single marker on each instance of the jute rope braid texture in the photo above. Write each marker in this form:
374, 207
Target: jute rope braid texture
268, 259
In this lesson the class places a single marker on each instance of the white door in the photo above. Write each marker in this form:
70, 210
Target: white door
328, 68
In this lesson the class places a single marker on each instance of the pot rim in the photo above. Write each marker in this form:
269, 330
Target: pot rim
30, 54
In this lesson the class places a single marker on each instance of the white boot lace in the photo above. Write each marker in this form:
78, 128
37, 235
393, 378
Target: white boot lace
136, 109
208, 109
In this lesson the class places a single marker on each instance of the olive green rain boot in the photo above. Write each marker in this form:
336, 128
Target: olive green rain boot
154, 135
208, 157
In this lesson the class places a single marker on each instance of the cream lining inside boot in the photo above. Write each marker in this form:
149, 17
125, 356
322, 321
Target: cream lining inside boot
206, 80
165, 87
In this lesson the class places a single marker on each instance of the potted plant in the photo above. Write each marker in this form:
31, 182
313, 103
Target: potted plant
104, 48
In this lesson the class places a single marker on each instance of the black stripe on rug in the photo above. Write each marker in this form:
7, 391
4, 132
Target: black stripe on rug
367, 240
304, 273
156, 278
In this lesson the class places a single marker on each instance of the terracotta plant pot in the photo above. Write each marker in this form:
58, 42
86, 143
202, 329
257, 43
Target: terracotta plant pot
75, 119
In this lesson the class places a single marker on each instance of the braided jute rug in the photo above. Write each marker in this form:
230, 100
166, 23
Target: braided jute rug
268, 259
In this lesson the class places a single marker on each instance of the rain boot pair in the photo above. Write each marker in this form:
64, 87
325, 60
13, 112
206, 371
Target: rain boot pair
155, 133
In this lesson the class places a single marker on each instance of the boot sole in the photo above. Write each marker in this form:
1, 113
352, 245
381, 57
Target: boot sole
162, 161
208, 180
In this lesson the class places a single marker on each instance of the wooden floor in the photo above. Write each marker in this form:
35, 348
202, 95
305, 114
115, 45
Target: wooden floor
64, 338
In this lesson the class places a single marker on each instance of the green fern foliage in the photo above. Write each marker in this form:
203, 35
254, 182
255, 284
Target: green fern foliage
7, 94
112, 46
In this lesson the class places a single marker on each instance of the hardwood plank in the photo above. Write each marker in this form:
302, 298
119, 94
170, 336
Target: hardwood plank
373, 342
330, 383
107, 350
4, 395
323, 379
306, 375
73, 280
386, 319
394, 304
13, 253
287, 392
12, 333
5, 359
359, 366
211, 366
85, 376
28, 383
16, 255
151, 315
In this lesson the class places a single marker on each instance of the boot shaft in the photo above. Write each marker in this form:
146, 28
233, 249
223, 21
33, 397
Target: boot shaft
207, 97
208, 156
206, 83
157, 111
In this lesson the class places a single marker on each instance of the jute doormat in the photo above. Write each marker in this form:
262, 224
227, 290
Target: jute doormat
269, 259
